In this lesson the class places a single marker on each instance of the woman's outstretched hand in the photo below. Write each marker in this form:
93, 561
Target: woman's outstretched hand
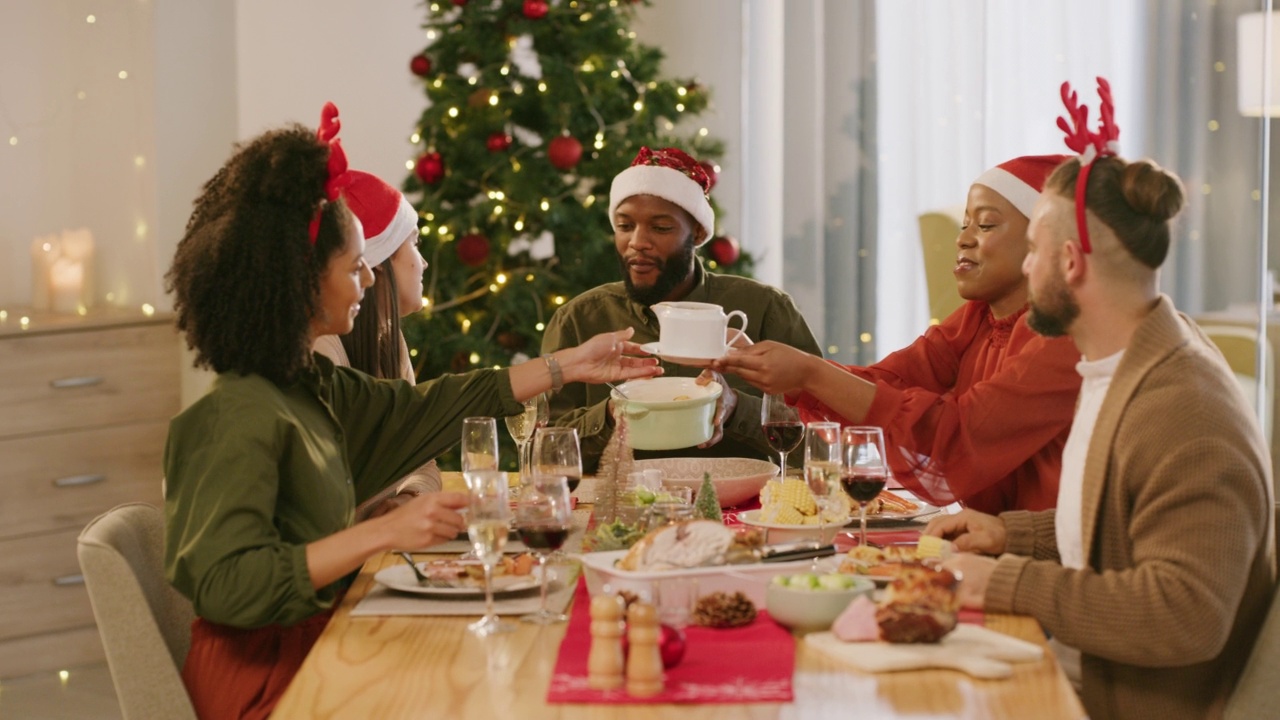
775, 368
609, 357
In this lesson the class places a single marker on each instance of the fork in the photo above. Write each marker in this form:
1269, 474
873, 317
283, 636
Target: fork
422, 579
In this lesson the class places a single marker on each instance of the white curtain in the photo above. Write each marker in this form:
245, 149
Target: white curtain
964, 85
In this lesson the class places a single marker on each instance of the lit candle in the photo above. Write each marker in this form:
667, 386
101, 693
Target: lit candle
77, 245
66, 282
43, 252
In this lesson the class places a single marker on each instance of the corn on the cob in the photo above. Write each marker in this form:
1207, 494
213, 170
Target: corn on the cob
932, 547
796, 494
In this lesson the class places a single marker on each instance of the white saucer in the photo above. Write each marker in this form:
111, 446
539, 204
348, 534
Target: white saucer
653, 349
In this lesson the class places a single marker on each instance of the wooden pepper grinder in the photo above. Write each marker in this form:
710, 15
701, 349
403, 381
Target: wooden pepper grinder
644, 659
605, 661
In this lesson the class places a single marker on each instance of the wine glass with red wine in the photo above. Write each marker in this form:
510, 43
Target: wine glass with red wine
544, 519
782, 428
864, 468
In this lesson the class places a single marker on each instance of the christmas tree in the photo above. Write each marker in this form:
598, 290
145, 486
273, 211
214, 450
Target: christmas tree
534, 107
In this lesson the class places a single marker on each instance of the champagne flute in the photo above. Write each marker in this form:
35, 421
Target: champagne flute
487, 515
479, 454
864, 469
479, 446
544, 519
782, 428
822, 467
536, 414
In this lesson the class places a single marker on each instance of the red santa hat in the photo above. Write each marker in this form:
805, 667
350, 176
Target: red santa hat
385, 213
1021, 179
668, 173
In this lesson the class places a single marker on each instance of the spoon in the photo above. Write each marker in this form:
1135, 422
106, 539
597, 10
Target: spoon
617, 389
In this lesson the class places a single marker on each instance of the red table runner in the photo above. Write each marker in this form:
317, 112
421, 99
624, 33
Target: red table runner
749, 664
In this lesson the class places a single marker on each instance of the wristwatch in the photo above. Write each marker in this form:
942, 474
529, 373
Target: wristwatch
557, 375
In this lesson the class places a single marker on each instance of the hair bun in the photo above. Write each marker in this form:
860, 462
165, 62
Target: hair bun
1152, 191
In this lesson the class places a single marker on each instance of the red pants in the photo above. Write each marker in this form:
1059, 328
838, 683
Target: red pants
236, 674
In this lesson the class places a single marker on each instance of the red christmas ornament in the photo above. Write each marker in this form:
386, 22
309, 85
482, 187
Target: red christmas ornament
498, 142
564, 152
671, 645
473, 249
459, 3
429, 168
724, 250
420, 65
535, 9
710, 169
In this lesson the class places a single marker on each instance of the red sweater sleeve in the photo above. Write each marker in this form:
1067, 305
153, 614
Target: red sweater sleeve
964, 411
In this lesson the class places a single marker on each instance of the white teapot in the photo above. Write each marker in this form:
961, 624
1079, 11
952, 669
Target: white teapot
695, 329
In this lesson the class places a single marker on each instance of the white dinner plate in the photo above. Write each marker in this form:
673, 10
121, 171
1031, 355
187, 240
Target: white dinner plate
653, 349
884, 517
400, 577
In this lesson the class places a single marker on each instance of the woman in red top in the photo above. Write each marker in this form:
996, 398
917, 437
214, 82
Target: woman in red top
978, 408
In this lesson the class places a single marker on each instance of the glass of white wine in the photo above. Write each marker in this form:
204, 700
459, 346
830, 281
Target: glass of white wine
822, 468
488, 514
522, 427
479, 454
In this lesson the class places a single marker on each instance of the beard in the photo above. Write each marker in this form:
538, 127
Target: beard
674, 270
1053, 311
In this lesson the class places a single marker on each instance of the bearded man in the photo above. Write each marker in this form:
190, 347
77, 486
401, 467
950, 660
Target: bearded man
660, 215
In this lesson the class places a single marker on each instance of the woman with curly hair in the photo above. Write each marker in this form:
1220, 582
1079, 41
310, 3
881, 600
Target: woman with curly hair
265, 471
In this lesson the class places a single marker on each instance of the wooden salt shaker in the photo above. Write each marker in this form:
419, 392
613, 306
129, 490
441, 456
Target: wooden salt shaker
644, 659
605, 661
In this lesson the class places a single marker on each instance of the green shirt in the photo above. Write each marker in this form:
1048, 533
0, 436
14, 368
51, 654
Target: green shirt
771, 315
254, 472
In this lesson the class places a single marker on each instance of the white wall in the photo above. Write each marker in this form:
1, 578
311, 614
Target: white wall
293, 55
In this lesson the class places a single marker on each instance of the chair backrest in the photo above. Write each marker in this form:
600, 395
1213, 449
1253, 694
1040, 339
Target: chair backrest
1255, 695
145, 624
1239, 345
938, 232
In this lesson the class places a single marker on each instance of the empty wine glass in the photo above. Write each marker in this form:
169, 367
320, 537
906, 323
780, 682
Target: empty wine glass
487, 514
544, 519
536, 414
556, 452
782, 428
822, 467
864, 469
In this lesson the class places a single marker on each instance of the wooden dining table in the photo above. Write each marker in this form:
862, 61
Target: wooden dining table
391, 667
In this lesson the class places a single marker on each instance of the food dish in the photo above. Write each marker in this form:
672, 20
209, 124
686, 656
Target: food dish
401, 578
778, 533
736, 479
653, 349
886, 516
751, 579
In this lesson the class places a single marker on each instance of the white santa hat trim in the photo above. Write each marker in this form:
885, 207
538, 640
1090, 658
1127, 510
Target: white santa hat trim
383, 245
670, 185
1022, 195
1021, 179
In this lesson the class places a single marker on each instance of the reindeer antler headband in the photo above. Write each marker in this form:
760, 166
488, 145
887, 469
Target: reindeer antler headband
338, 175
1090, 145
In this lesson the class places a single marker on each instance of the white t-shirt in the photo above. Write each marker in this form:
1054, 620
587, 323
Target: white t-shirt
1069, 522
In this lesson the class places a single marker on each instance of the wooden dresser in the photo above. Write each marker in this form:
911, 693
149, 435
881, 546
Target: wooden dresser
84, 409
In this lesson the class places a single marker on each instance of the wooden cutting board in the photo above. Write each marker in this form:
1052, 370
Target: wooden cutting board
971, 649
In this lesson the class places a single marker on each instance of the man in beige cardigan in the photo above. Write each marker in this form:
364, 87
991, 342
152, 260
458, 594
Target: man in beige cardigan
1155, 571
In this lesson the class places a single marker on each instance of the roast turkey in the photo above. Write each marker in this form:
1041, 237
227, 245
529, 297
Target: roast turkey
692, 543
